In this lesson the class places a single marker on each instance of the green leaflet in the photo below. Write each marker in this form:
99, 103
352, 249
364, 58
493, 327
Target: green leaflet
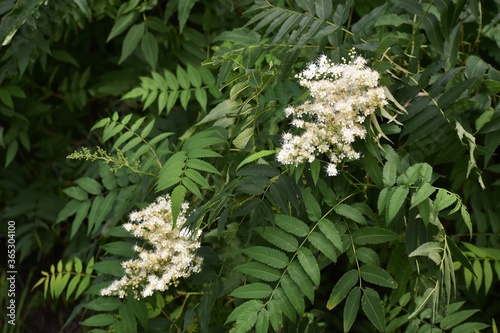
139, 309
262, 324
212, 136
351, 213
312, 206
128, 323
252, 290
323, 9
309, 263
112, 267
368, 256
342, 12
171, 172
202, 153
424, 210
99, 320
458, 254
245, 310
342, 288
69, 209
73, 284
389, 173
383, 199
292, 225
351, 308
476, 265
104, 304
120, 248
422, 193
301, 279
417, 172
395, 202
243, 138
426, 249
121, 24
363, 25
372, 307
455, 319
237, 89
422, 301
293, 294
196, 177
132, 39
275, 314
221, 110
80, 216
239, 36
488, 275
254, 157
332, 233
470, 327
89, 185
76, 192
377, 275
443, 200
372, 166
178, 196
201, 165
373, 235
285, 305
321, 243
279, 237
101, 206
260, 271
183, 10
268, 256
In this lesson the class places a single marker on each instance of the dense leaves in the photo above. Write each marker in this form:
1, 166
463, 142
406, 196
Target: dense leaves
189, 98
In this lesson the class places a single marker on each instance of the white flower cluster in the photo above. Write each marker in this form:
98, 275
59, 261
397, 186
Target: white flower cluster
170, 252
342, 96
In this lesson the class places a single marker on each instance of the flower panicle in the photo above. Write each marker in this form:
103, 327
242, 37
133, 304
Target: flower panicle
168, 255
342, 96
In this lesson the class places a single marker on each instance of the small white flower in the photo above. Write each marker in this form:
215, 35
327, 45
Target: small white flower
331, 169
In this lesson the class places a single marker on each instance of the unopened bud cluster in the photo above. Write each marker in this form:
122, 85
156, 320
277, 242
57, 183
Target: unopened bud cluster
167, 256
342, 96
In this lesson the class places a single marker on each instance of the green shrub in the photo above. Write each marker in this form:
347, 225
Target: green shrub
361, 198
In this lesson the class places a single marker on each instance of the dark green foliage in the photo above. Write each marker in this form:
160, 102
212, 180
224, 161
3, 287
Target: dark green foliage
188, 98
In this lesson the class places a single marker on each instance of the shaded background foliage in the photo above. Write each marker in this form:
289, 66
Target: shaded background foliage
84, 73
